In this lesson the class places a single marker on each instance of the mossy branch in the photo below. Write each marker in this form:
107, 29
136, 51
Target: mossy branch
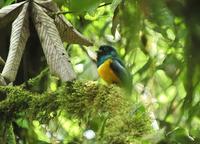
80, 99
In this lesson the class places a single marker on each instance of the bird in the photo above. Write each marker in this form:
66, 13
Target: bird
111, 68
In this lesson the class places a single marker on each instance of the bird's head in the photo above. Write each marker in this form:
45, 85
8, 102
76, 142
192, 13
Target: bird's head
105, 52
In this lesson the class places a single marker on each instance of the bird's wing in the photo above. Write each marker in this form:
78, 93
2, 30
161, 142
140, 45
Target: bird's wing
120, 71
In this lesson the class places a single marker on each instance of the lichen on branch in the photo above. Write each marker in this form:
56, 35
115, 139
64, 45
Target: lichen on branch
87, 101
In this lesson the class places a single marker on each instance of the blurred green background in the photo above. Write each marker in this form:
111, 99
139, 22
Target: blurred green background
160, 44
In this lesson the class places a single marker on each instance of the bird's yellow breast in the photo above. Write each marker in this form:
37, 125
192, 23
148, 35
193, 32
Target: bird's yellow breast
106, 73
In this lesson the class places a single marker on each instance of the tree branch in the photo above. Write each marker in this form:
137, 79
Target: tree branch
79, 99
69, 12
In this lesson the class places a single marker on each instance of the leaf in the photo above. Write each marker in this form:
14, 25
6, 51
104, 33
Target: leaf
10, 136
67, 32
57, 57
48, 5
2, 81
160, 14
81, 6
115, 3
2, 62
9, 2
9, 13
180, 135
19, 36
194, 111
172, 66
1, 4
130, 18
115, 21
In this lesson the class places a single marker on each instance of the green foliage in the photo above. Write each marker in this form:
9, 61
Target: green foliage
159, 42
6, 2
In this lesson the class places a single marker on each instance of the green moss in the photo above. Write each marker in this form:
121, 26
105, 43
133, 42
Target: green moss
102, 108
106, 102
20, 102
16, 100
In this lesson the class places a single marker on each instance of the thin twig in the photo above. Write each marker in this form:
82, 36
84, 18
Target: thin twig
64, 12
69, 12
93, 57
104, 5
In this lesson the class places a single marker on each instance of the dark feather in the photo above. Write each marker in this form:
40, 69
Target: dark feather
119, 69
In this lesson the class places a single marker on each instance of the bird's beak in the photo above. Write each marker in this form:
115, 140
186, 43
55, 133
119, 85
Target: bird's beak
99, 51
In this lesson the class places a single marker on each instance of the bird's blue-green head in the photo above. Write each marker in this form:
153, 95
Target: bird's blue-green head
105, 52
